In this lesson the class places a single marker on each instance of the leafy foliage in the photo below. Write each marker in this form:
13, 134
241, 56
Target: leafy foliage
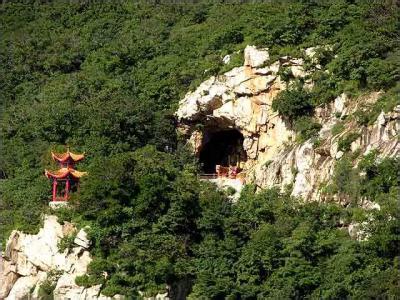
293, 103
368, 114
344, 142
47, 286
67, 242
306, 128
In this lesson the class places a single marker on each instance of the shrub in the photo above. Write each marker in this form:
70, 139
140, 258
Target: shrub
46, 289
344, 142
325, 88
67, 242
87, 280
306, 128
285, 73
230, 191
317, 143
337, 128
381, 74
363, 116
268, 163
323, 55
346, 181
230, 36
47, 286
380, 176
293, 103
236, 61
386, 103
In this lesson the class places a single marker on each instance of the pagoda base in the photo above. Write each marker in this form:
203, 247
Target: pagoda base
58, 204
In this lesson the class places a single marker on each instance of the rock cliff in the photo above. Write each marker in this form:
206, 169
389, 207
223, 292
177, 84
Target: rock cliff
34, 264
241, 99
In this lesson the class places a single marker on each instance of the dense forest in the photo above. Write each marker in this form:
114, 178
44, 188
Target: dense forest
105, 78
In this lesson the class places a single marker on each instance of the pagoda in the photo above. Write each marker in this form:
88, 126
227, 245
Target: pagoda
66, 179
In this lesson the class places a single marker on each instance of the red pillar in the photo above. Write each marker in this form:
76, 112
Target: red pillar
67, 187
54, 189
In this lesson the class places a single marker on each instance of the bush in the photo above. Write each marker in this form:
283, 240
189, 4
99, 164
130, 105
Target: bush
382, 74
67, 242
346, 181
368, 115
325, 88
230, 191
317, 143
286, 74
380, 176
87, 281
237, 60
306, 128
293, 103
229, 37
47, 286
46, 289
337, 128
344, 142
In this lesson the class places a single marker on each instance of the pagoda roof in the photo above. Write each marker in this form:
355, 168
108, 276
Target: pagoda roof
63, 173
63, 157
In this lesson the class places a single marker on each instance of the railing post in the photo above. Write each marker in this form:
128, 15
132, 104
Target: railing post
67, 186
54, 189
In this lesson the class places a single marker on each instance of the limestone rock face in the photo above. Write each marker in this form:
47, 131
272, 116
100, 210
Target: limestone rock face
254, 57
307, 167
30, 260
8, 277
81, 239
241, 99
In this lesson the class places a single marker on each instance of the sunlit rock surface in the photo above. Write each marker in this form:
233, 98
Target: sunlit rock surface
241, 99
29, 260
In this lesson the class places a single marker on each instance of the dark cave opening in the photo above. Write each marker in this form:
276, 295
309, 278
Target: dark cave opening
223, 148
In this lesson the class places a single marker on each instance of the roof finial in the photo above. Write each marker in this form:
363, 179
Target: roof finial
67, 148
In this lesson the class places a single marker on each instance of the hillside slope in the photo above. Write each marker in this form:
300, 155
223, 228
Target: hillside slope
106, 79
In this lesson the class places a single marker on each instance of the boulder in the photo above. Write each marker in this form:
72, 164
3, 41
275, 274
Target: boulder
339, 154
254, 57
30, 258
196, 141
298, 71
340, 104
66, 288
42, 276
24, 267
91, 293
304, 160
82, 240
81, 262
22, 287
7, 278
12, 246
226, 59
68, 229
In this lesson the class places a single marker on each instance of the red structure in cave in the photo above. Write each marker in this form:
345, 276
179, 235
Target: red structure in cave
222, 155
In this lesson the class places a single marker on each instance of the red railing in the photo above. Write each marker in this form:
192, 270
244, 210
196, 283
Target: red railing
208, 176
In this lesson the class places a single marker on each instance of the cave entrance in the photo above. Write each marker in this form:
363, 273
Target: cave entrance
222, 148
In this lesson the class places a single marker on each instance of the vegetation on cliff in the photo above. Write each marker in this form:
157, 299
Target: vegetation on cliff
106, 78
